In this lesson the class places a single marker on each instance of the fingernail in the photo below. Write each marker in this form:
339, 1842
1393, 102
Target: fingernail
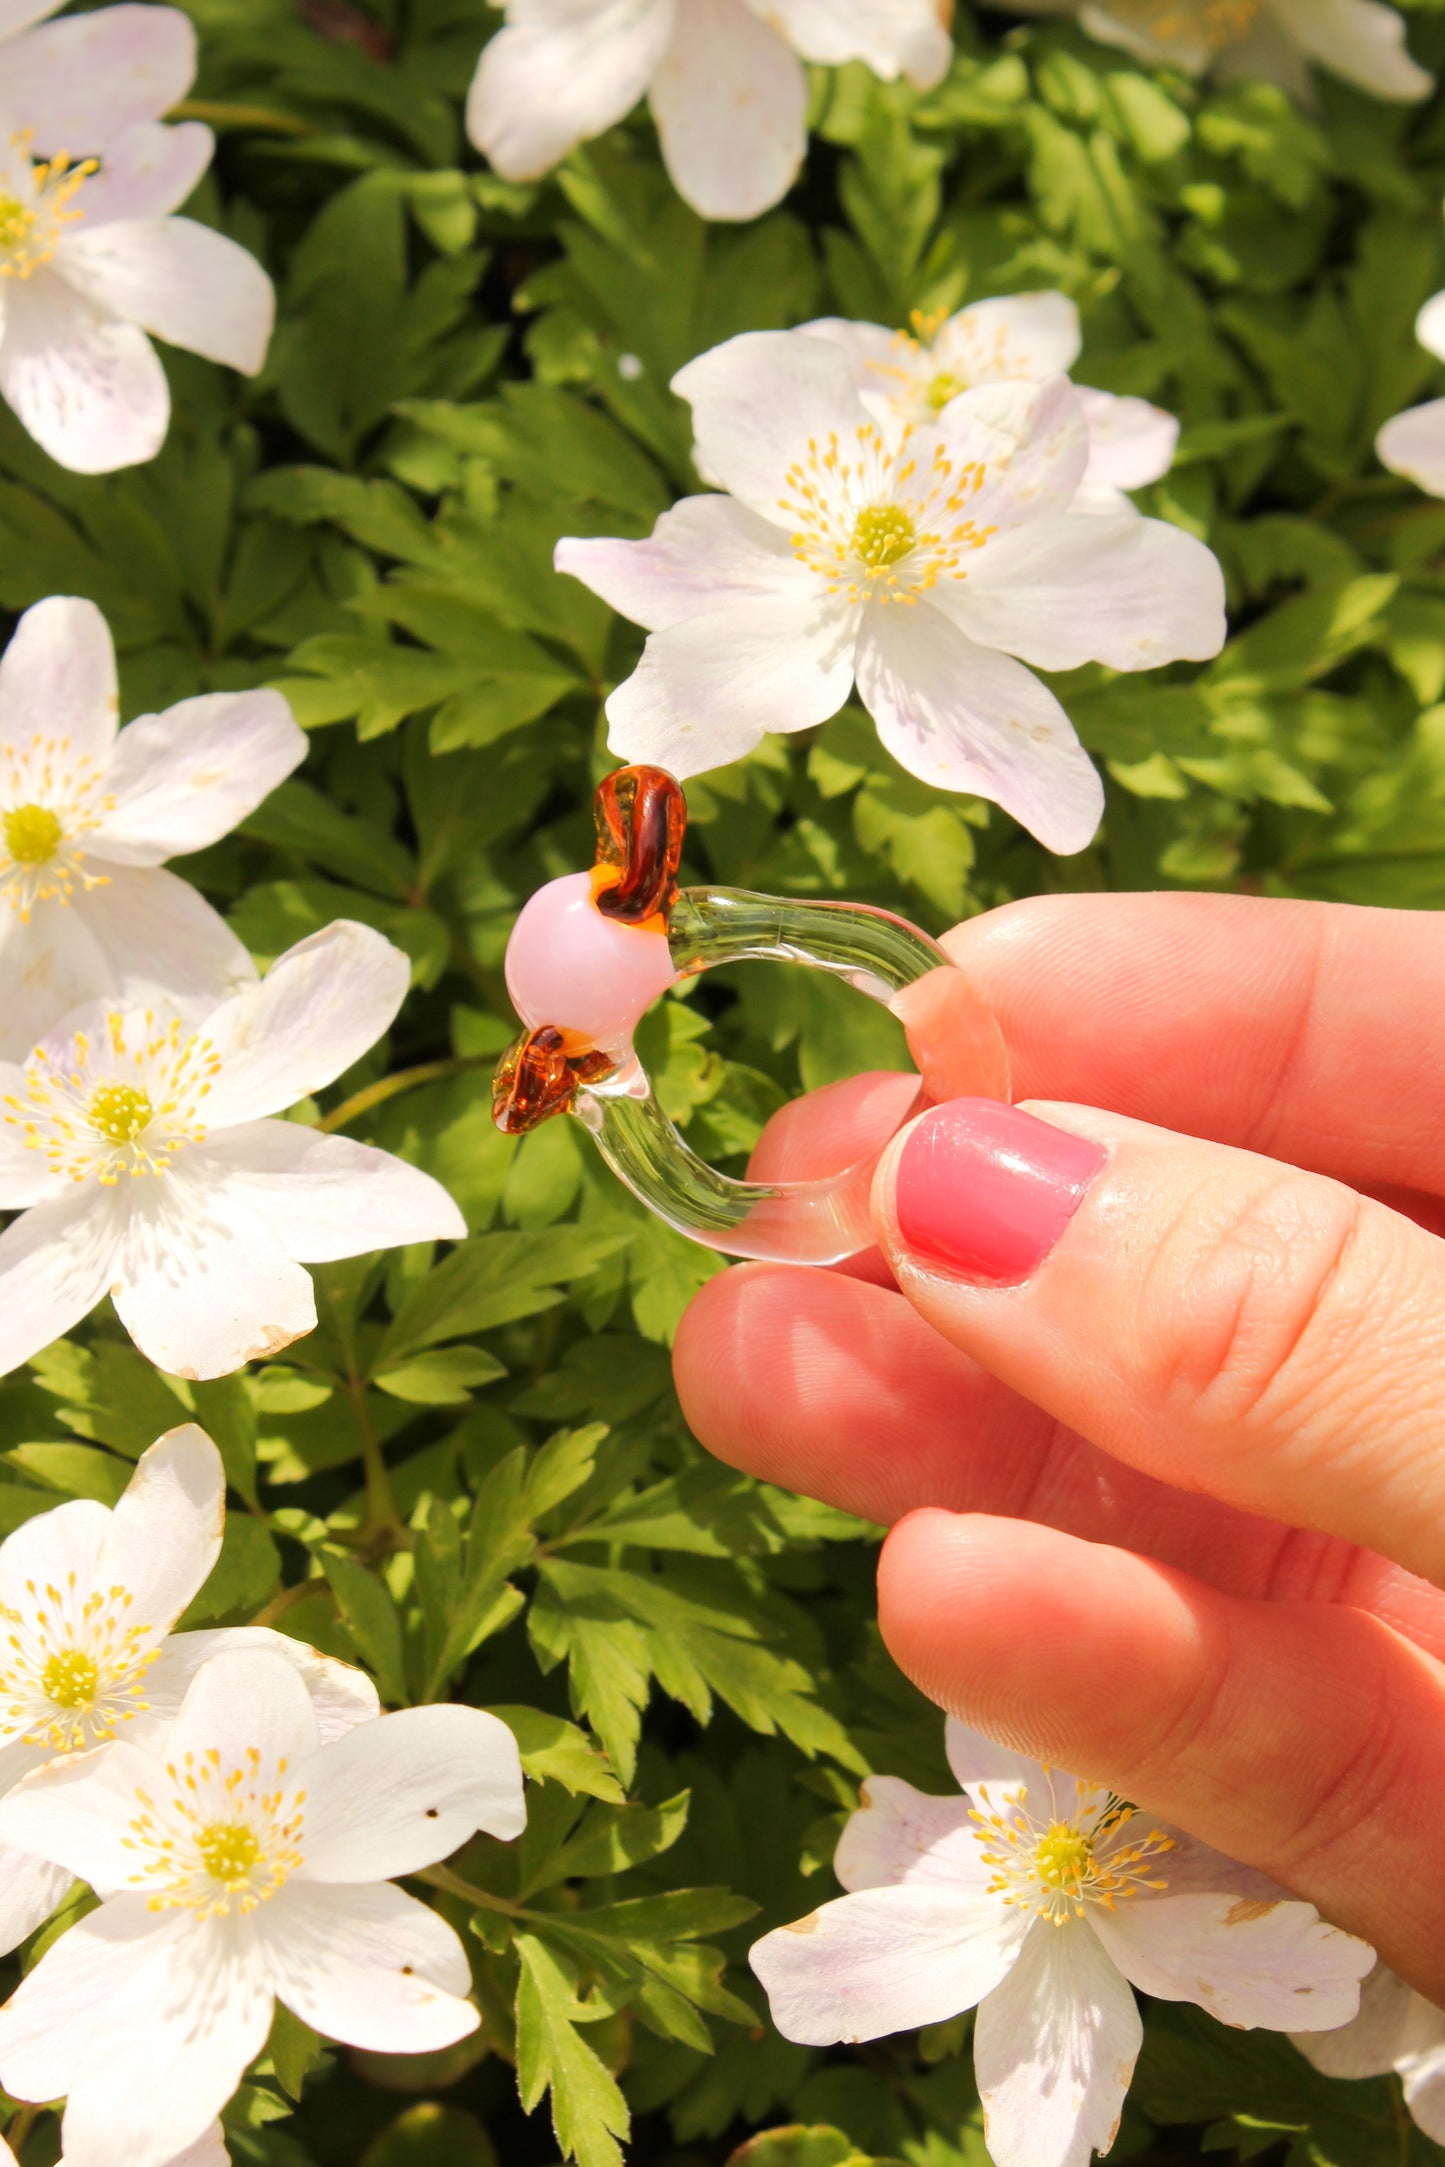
987, 1190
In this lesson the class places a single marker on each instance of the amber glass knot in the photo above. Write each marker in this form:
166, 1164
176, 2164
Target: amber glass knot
641, 817
537, 1077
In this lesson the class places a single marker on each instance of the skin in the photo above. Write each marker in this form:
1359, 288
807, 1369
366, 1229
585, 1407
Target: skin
1173, 1510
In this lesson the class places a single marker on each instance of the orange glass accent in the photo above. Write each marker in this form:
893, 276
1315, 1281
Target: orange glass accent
641, 817
539, 1075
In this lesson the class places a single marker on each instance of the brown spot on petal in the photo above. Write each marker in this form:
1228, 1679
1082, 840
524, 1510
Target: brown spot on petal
189, 1375
1250, 1908
273, 1338
803, 1926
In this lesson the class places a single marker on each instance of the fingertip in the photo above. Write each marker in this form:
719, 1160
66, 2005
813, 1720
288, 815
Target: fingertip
954, 1036
833, 1127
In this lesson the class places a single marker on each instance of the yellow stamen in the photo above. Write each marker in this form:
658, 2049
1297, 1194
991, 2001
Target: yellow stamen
884, 535
120, 1111
70, 1679
228, 1852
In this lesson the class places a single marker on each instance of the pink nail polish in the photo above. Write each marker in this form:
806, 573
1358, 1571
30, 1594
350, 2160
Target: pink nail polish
987, 1190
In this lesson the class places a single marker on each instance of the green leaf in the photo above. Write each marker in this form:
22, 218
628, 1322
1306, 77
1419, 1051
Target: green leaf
295, 2050
589, 2113
244, 1575
442, 1377
494, 1279
370, 1615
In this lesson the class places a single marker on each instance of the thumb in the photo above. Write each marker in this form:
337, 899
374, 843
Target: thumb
1216, 1319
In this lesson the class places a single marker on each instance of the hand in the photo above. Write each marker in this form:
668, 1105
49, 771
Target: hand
1152, 1376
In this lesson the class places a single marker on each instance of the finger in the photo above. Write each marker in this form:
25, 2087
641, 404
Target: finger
955, 1038
1313, 1032
831, 1129
1214, 1319
1308, 1743
842, 1391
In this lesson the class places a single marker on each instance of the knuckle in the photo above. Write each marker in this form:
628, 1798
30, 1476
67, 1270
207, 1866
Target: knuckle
1252, 1303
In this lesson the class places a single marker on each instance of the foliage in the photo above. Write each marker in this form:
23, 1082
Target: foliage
474, 1477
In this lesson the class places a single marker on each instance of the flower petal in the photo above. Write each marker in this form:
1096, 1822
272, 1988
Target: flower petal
1424, 2081
20, 14
962, 717
885, 1960
165, 1532
1068, 589
149, 170
731, 105
707, 691
57, 679
892, 37
158, 941
399, 1794
47, 967
369, 1966
1413, 444
557, 75
1131, 443
56, 1261
183, 779
341, 1696
30, 1889
1054, 2048
49, 1550
251, 1693
1393, 2022
899, 1834
201, 1285
183, 282
1430, 326
702, 555
1359, 40
81, 82
207, 2151
1246, 1961
90, 391
77, 1812
1011, 338
1030, 443
147, 2021
324, 1196
757, 400
1178, 38
976, 1759
320, 1007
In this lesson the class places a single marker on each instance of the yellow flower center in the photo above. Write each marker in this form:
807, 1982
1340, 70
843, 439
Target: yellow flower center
70, 1679
942, 389
32, 224
1063, 1857
1218, 22
228, 1852
17, 223
1084, 1853
72, 1662
32, 832
223, 1833
122, 1103
882, 522
884, 535
120, 1111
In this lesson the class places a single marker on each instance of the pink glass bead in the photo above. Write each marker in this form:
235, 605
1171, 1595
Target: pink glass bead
588, 975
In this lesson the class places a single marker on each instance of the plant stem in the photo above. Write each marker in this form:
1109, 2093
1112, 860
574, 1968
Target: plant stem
288, 1598
389, 1087
20, 2125
442, 1877
385, 1529
240, 116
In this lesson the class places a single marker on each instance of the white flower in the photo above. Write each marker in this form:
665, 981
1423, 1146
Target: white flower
1396, 2029
90, 258
1022, 338
1236, 39
1413, 443
208, 2151
724, 79
137, 1150
88, 1597
241, 1860
88, 818
1040, 1898
918, 565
